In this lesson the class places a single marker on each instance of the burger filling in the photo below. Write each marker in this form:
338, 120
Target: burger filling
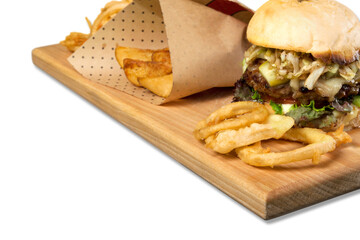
313, 92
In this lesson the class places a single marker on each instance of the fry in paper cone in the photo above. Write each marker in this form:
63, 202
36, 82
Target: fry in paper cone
206, 46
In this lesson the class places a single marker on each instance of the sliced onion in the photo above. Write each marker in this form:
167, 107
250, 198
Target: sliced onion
329, 87
313, 77
294, 61
319, 144
347, 73
295, 84
252, 53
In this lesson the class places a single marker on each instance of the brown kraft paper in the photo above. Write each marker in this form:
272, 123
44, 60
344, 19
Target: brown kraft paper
206, 46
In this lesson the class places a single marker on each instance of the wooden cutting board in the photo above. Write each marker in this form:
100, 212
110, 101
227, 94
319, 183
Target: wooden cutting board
267, 192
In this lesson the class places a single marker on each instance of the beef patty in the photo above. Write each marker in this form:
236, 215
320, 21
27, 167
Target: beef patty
254, 79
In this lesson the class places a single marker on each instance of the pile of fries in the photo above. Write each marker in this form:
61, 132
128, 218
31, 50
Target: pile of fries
150, 69
241, 126
75, 39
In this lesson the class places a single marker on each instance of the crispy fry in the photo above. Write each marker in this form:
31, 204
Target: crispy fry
274, 127
340, 136
122, 53
225, 112
231, 110
161, 86
257, 115
147, 68
319, 143
162, 55
135, 69
74, 40
107, 13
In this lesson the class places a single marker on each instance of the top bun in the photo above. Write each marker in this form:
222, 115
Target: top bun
325, 28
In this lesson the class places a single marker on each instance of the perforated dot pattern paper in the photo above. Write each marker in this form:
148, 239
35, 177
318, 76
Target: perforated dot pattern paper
206, 46
139, 25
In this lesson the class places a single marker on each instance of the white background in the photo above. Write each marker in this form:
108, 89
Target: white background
68, 171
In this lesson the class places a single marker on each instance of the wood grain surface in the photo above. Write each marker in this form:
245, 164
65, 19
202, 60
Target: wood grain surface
269, 192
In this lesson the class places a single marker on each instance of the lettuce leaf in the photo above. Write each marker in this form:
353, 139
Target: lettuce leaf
311, 106
276, 107
310, 116
256, 96
244, 92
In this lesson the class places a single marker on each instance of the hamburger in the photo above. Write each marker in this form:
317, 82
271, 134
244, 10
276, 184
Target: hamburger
304, 61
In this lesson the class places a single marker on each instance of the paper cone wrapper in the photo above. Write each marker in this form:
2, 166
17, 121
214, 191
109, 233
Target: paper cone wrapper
206, 45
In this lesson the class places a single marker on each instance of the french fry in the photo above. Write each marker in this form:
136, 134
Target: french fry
257, 115
74, 40
135, 69
122, 53
162, 55
146, 68
274, 127
161, 86
318, 141
107, 13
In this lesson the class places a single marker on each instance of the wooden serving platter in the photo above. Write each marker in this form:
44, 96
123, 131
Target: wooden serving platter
269, 192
